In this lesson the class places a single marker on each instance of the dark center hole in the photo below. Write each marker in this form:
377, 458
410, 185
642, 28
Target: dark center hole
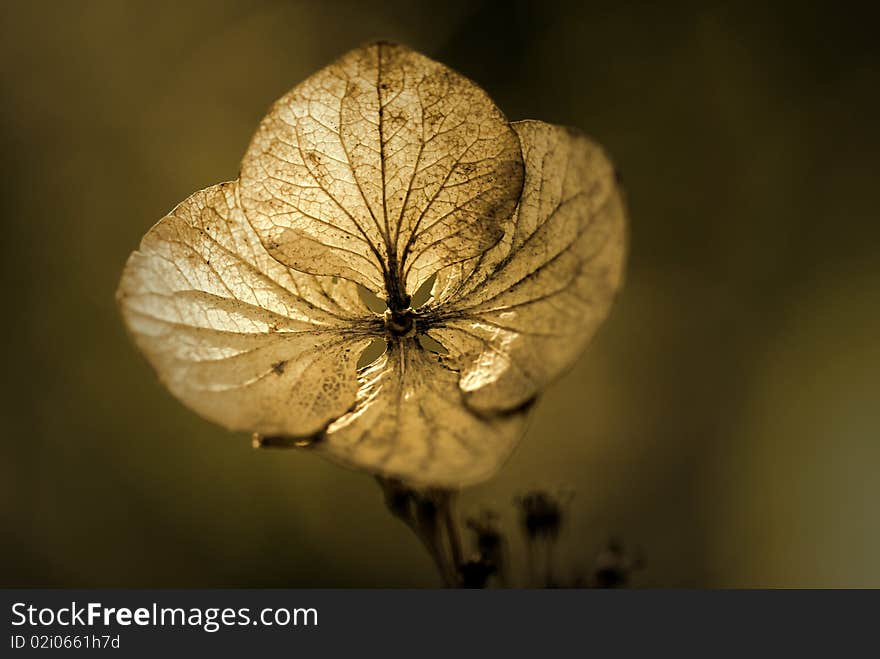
372, 301
432, 345
423, 294
372, 352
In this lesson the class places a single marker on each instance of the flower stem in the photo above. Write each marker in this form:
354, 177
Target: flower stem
428, 514
452, 530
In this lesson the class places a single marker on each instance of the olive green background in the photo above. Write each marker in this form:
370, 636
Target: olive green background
725, 419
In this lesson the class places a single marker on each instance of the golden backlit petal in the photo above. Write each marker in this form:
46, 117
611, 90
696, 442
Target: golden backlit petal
383, 167
236, 336
410, 422
521, 314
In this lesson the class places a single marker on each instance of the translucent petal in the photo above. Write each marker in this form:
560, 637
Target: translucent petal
519, 315
382, 168
236, 336
410, 422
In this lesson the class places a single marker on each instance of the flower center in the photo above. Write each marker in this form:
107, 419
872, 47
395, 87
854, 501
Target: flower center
400, 323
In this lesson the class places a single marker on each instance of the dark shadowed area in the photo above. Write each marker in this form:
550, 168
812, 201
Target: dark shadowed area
725, 419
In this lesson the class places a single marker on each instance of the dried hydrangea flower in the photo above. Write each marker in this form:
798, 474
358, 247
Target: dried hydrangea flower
384, 169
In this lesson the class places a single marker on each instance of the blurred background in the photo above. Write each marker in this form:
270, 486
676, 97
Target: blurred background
725, 420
